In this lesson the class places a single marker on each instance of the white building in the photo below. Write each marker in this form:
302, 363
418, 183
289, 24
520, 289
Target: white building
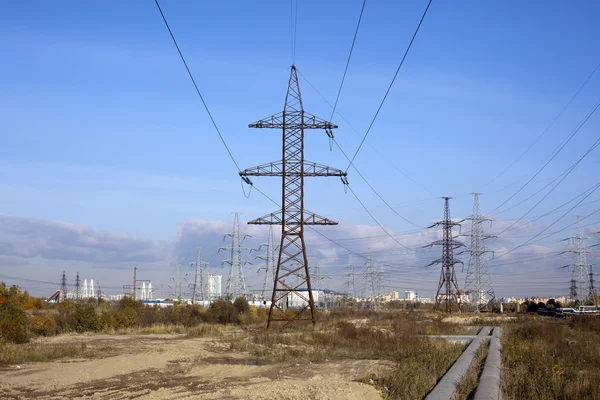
410, 295
215, 287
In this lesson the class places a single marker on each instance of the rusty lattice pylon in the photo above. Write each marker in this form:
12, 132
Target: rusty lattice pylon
292, 279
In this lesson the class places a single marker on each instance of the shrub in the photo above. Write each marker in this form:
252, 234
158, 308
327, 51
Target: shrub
13, 320
44, 325
85, 318
241, 305
223, 311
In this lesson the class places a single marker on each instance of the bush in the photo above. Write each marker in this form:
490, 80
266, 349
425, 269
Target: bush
241, 305
223, 311
85, 318
13, 319
44, 325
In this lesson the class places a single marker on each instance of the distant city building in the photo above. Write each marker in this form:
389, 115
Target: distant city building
410, 295
215, 286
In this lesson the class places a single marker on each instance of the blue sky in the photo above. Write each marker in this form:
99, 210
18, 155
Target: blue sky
101, 126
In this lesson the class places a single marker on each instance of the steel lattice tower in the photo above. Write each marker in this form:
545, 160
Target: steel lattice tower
63, 287
351, 284
200, 285
581, 279
269, 259
478, 279
236, 282
370, 279
292, 262
77, 287
448, 282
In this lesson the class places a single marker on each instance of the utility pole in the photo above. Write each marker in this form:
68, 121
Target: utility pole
592, 293
236, 283
581, 280
351, 284
200, 285
292, 217
478, 278
99, 292
63, 286
370, 279
134, 283
269, 259
448, 280
77, 288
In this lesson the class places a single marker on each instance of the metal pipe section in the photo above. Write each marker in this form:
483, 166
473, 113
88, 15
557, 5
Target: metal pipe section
489, 382
445, 388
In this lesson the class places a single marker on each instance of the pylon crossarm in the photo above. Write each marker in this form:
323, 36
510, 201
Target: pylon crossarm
282, 119
310, 169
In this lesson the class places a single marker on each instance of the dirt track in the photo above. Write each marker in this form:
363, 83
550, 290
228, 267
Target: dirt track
172, 367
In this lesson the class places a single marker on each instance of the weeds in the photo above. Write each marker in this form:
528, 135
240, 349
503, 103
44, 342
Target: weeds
470, 380
415, 364
552, 359
38, 352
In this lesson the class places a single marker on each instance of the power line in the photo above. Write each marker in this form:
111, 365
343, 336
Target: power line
348, 61
196, 86
556, 152
359, 134
375, 220
547, 128
390, 86
568, 172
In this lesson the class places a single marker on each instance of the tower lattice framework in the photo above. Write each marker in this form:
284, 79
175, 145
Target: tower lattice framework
582, 278
447, 291
292, 274
478, 280
236, 282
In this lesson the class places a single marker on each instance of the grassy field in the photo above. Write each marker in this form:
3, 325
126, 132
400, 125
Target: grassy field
414, 363
546, 358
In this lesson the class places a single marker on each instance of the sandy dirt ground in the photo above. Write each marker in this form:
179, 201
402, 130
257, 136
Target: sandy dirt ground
173, 367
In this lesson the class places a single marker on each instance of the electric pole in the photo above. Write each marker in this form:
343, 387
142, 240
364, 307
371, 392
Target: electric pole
448, 280
63, 287
581, 278
200, 285
236, 283
370, 279
478, 280
351, 284
269, 259
77, 288
134, 283
292, 217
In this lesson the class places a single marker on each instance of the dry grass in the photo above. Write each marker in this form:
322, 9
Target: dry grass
470, 380
545, 358
415, 364
38, 352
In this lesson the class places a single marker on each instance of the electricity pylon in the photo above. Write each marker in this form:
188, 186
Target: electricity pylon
581, 276
200, 285
478, 280
351, 284
236, 282
448, 275
269, 259
63, 287
371, 284
292, 262
77, 287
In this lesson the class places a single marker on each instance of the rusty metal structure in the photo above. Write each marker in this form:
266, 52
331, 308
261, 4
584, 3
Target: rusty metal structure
292, 277
450, 295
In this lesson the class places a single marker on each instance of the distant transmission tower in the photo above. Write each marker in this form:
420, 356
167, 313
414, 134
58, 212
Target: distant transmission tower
236, 283
63, 287
582, 278
351, 284
269, 259
450, 292
371, 284
201, 276
317, 277
77, 287
478, 280
292, 217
